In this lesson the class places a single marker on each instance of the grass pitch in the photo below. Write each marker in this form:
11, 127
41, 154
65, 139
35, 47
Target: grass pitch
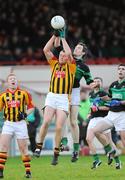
65, 170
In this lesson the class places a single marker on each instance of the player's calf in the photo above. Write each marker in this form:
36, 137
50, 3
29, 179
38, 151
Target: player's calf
55, 157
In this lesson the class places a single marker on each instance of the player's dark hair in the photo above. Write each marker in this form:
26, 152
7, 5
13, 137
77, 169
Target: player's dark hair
121, 65
99, 78
85, 49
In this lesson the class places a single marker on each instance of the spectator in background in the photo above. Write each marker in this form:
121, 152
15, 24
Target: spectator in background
116, 49
92, 21
33, 122
93, 49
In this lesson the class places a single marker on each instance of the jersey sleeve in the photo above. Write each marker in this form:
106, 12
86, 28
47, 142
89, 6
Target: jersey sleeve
72, 66
87, 75
52, 62
1, 102
29, 101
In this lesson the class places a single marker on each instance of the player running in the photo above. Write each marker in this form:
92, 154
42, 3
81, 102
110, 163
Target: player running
99, 110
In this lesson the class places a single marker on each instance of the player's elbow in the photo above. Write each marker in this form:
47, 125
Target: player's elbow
45, 50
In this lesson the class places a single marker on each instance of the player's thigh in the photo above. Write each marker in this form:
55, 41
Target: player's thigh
75, 96
119, 122
8, 128
90, 134
21, 130
102, 126
48, 114
73, 112
5, 140
92, 123
61, 117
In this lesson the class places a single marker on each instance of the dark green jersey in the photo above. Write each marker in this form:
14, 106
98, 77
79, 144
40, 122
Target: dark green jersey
117, 91
82, 70
93, 95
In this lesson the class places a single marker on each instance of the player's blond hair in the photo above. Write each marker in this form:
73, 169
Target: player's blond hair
11, 74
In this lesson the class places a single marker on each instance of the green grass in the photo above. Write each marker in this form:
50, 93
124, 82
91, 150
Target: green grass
65, 170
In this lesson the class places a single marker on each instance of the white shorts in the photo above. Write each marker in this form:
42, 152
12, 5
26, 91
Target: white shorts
57, 101
116, 119
75, 96
19, 129
94, 122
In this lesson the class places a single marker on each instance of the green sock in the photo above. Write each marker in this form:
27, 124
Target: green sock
95, 157
116, 158
64, 141
76, 147
107, 148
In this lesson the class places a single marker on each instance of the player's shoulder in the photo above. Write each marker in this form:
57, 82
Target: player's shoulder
83, 66
2, 93
53, 59
24, 91
115, 83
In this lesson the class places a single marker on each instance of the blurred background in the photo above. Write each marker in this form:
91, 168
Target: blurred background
25, 29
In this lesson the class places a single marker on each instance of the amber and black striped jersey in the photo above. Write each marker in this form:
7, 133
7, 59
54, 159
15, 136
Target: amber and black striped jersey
13, 102
62, 77
82, 69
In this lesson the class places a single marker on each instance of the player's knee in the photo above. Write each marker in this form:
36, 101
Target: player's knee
23, 149
4, 148
58, 129
90, 136
45, 124
73, 124
88, 139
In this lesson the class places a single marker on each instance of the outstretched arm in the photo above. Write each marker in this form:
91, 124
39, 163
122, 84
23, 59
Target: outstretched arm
48, 48
67, 49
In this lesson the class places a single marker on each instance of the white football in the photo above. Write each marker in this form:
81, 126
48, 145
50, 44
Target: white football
57, 22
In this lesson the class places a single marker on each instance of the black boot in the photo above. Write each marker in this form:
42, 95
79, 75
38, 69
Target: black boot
1, 174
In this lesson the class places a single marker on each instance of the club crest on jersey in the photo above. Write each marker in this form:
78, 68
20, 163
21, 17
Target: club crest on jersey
60, 74
13, 103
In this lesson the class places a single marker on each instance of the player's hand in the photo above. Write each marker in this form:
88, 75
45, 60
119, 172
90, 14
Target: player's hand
22, 115
94, 108
93, 85
97, 101
114, 103
56, 32
62, 32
